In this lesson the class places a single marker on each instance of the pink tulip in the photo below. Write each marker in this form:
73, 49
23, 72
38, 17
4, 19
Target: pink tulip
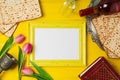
19, 39
27, 71
27, 48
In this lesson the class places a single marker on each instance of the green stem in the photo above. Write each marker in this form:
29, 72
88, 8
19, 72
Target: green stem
19, 76
6, 46
20, 62
37, 76
21, 68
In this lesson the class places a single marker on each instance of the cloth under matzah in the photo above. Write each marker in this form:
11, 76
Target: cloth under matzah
11, 31
113, 41
5, 28
19, 10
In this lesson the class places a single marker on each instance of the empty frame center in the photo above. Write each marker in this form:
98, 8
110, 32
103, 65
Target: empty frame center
56, 43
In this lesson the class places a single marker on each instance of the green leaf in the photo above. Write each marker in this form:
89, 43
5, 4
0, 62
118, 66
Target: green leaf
20, 62
37, 76
6, 46
42, 73
20, 57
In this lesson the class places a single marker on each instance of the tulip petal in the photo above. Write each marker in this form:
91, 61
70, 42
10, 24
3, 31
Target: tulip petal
19, 39
27, 48
27, 71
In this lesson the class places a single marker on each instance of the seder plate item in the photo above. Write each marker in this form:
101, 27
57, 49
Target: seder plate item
100, 69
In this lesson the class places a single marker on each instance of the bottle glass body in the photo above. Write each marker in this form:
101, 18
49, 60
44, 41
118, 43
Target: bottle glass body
104, 8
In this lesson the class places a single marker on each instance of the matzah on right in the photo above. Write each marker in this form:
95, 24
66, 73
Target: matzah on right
98, 24
110, 54
19, 10
113, 41
105, 24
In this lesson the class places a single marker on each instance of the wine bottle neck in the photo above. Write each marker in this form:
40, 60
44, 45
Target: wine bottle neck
87, 11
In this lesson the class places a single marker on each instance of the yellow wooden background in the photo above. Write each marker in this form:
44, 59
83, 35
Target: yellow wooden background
51, 10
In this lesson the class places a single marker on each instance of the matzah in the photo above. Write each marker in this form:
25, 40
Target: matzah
110, 54
19, 10
0, 16
106, 28
11, 31
113, 41
5, 28
105, 24
98, 24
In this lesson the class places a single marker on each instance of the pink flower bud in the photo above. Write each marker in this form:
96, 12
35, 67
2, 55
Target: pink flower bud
27, 71
19, 39
27, 48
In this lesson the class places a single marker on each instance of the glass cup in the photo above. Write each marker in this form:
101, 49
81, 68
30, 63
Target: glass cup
68, 7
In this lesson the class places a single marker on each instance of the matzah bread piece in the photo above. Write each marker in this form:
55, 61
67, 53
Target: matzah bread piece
5, 28
98, 24
110, 54
105, 24
12, 1
19, 10
11, 31
0, 16
113, 41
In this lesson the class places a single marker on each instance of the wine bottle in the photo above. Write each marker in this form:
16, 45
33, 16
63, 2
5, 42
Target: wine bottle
105, 8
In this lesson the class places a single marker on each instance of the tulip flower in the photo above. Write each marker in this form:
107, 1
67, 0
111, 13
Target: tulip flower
27, 71
27, 48
19, 39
